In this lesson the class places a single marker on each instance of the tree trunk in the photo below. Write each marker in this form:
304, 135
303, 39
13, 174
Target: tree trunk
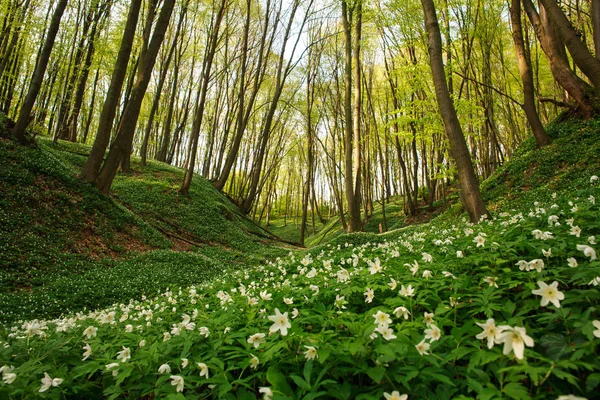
584, 59
206, 75
585, 96
122, 144
596, 26
90, 171
471, 196
541, 138
38, 75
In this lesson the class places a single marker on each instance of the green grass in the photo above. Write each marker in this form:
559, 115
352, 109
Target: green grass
66, 247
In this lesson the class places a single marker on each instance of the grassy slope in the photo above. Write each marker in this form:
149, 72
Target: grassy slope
65, 246
395, 218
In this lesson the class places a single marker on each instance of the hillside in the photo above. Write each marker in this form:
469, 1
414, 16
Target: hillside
446, 310
65, 246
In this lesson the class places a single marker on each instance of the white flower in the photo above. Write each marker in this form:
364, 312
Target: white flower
315, 289
459, 254
114, 367
393, 284
423, 347
536, 264
280, 322
252, 301
408, 291
414, 268
295, 313
124, 355
595, 281
575, 231
572, 262
596, 324
433, 333
340, 301
587, 251
8, 376
428, 318
203, 369
310, 353
177, 381
386, 332
369, 295
395, 396
401, 311
142, 343
570, 397
515, 339
48, 382
254, 361
312, 273
164, 369
204, 331
87, 352
427, 274
490, 332
375, 266
288, 300
594, 178
479, 241
547, 253
382, 319
523, 265
427, 257
257, 339
267, 392
265, 296
549, 293
90, 332
343, 275
184, 362
491, 280
592, 240
448, 274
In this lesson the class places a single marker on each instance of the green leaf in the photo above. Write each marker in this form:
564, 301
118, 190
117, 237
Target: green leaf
516, 391
278, 380
300, 382
376, 373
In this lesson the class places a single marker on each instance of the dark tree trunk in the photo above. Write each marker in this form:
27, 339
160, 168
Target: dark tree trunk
107, 116
470, 195
38, 75
524, 63
122, 144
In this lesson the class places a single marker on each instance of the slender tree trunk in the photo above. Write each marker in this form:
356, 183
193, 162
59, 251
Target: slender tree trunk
541, 138
206, 75
38, 75
122, 144
90, 171
470, 195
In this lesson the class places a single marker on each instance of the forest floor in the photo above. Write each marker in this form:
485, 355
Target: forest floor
188, 280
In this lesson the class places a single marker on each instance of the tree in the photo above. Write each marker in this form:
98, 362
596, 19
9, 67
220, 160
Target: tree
524, 63
470, 195
38, 75
352, 149
121, 147
90, 171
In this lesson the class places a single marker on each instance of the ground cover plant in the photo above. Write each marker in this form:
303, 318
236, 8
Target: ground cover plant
65, 247
506, 308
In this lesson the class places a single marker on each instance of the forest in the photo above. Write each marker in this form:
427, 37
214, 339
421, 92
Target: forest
285, 199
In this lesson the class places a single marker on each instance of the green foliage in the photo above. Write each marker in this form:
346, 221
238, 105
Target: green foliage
325, 295
534, 174
65, 247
